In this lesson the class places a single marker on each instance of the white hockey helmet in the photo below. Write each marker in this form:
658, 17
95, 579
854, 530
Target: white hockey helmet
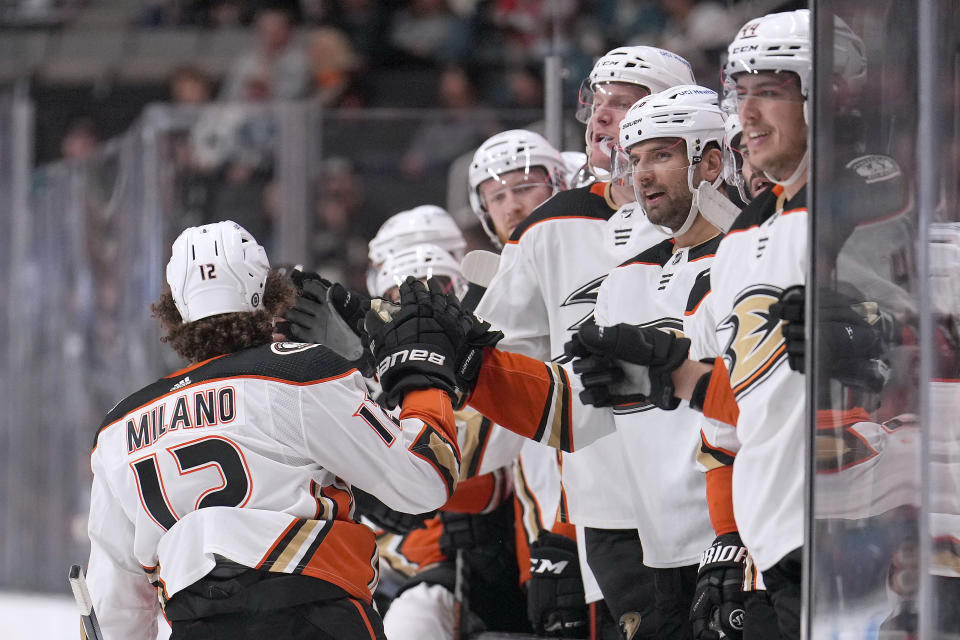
424, 224
422, 261
686, 112
216, 268
782, 42
513, 150
650, 67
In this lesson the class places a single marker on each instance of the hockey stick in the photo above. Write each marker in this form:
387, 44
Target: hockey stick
478, 268
459, 600
78, 583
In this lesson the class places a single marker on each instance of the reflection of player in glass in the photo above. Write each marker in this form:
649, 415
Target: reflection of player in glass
512, 173
225, 488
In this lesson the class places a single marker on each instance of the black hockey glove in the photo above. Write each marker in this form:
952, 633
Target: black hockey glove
718, 600
555, 603
316, 317
386, 518
469, 531
624, 363
428, 317
854, 335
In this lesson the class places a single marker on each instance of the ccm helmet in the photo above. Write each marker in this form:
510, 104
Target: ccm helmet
650, 67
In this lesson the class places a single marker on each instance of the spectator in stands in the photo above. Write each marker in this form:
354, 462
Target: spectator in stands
276, 61
698, 30
437, 142
528, 26
427, 31
189, 85
80, 139
334, 65
343, 223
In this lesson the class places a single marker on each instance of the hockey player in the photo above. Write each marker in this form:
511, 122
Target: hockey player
764, 253
737, 170
476, 523
225, 488
673, 139
424, 224
545, 289
511, 174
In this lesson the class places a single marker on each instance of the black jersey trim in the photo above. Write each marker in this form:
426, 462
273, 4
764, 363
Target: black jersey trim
658, 254
705, 249
699, 291
764, 206
310, 364
573, 203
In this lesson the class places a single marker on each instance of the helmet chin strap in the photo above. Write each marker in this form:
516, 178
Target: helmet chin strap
801, 167
694, 207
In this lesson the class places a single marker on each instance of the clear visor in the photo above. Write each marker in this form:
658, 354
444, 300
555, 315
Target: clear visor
670, 156
759, 85
733, 170
498, 192
599, 96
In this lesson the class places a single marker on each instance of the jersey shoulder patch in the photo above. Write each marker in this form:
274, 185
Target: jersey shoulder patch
573, 203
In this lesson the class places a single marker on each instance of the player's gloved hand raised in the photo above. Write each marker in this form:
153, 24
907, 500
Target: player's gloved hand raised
624, 363
718, 600
854, 335
555, 603
427, 341
318, 315
386, 518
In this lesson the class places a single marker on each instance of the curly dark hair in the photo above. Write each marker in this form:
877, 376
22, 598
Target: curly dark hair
227, 332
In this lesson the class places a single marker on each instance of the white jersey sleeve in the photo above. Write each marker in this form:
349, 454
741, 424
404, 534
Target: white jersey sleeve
125, 600
377, 458
514, 304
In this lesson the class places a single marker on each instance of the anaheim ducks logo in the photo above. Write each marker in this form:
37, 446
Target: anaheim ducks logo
756, 344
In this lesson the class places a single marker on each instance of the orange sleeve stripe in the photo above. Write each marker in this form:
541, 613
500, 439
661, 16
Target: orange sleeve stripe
366, 620
512, 390
720, 499
433, 407
720, 403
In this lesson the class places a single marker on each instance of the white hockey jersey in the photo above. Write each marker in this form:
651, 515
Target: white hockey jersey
545, 289
654, 289
764, 253
251, 457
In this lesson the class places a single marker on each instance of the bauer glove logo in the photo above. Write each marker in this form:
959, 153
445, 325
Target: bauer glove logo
410, 355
